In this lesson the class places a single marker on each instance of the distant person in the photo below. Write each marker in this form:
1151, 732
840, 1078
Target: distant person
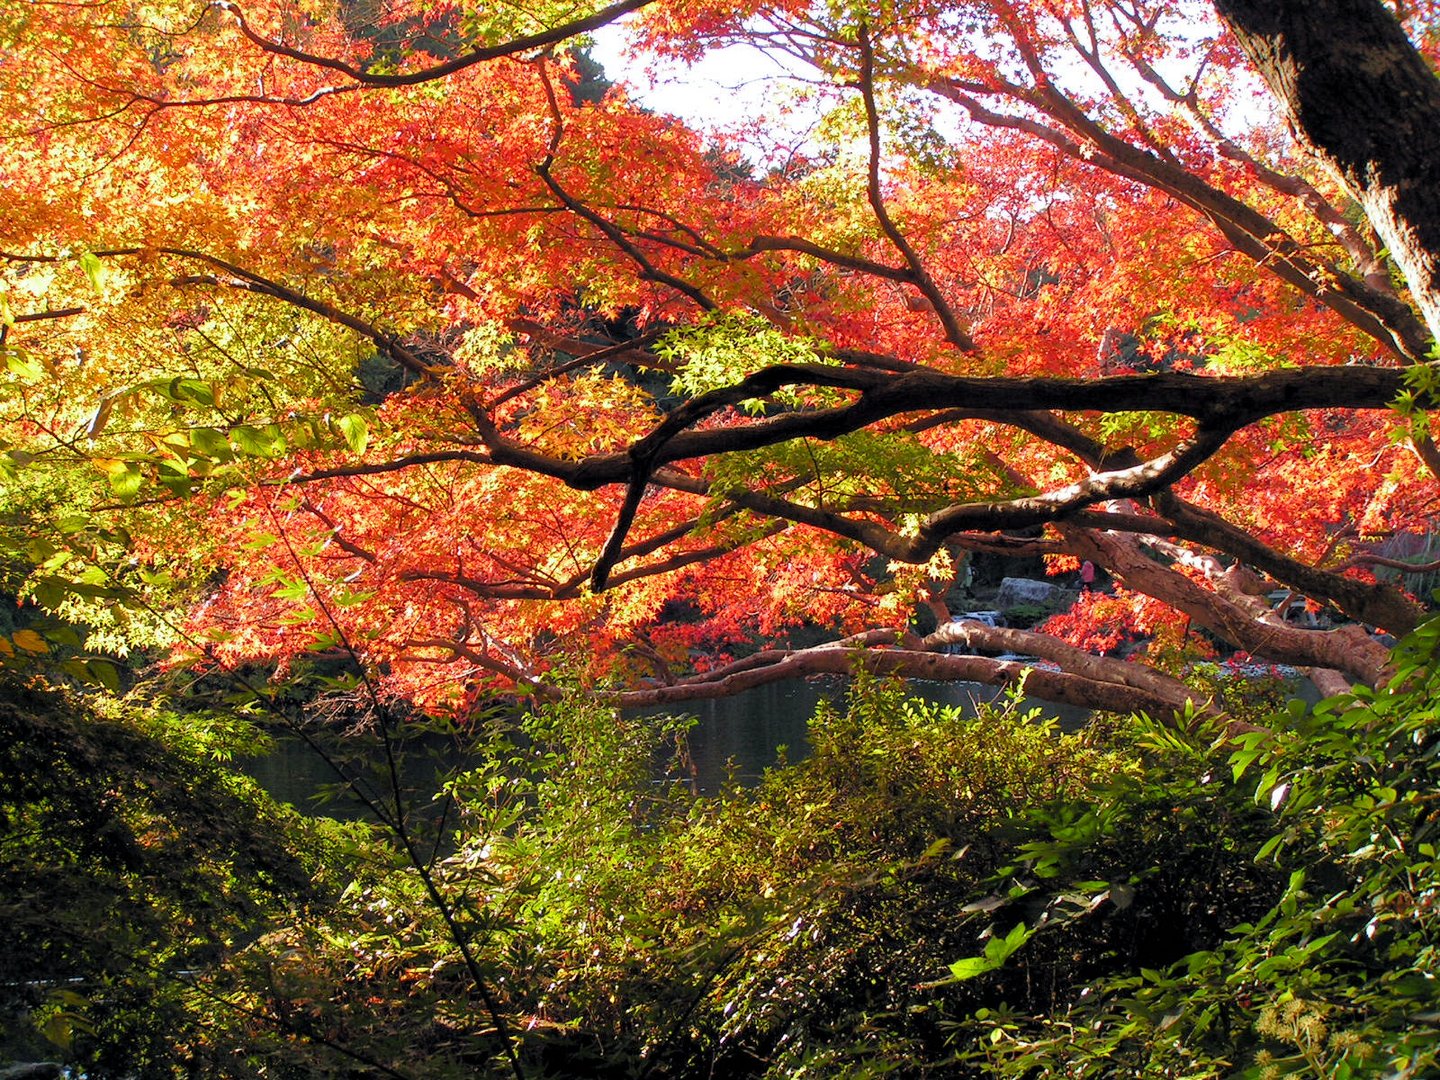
1087, 576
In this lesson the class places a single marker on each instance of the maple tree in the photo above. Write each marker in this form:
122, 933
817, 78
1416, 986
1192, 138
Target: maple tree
372, 331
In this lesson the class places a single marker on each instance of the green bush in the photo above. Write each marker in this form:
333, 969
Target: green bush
1333, 976
927, 894
799, 925
132, 865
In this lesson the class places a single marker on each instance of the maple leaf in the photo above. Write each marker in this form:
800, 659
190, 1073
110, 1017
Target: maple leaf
387, 338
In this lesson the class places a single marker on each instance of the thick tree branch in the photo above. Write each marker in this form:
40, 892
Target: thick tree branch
1246, 623
572, 587
57, 313
1368, 104
902, 274
250, 281
586, 354
845, 658
1217, 402
1000, 639
1378, 605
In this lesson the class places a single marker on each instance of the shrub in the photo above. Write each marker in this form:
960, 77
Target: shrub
1333, 974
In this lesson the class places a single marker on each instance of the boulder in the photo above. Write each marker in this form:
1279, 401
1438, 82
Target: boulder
1015, 591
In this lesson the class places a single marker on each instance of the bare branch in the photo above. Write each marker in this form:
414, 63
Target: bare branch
530, 43
57, 313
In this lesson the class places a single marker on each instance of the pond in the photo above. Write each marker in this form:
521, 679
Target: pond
737, 737
742, 732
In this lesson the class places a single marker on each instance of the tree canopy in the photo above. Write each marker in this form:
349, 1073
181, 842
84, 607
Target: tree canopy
362, 327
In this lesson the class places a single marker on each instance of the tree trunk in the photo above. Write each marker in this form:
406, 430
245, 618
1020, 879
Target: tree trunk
1359, 95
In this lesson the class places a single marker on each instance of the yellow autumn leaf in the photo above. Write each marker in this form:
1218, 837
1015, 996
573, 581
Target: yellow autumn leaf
30, 641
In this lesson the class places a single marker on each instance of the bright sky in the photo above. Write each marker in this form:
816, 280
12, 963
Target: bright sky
734, 86
728, 88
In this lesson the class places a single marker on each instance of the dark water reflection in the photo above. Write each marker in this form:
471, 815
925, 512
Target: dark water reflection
740, 734
736, 737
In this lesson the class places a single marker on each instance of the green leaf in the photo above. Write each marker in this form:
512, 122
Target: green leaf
300, 616
104, 673
355, 430
1018, 935
1241, 760
970, 967
211, 443
22, 364
48, 592
267, 441
179, 483
59, 1029
1268, 848
259, 541
125, 478
94, 270
71, 524
182, 388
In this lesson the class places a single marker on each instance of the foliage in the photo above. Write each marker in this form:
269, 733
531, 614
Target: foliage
866, 855
627, 923
927, 893
133, 861
630, 921
717, 353
1105, 622
508, 367
388, 349
1331, 973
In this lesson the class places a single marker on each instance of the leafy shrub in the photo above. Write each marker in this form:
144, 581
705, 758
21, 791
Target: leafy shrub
131, 862
926, 894
1333, 975
758, 932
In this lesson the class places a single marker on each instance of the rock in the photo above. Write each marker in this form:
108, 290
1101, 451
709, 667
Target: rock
1015, 591
32, 1070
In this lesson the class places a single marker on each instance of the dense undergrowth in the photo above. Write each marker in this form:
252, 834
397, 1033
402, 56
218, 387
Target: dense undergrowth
926, 894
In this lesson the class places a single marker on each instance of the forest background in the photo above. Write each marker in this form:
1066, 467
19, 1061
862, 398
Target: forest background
373, 368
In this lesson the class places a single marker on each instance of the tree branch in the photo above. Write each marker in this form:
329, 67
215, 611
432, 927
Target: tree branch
529, 43
920, 277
